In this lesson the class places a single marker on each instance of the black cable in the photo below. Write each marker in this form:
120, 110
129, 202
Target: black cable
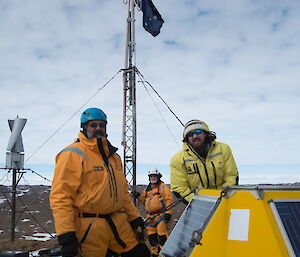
29, 212
32, 188
57, 130
5, 175
160, 113
170, 206
39, 175
138, 72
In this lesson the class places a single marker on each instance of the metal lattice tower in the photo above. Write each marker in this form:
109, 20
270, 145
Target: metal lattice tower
129, 108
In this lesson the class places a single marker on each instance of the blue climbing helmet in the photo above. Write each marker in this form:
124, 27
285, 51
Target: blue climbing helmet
92, 114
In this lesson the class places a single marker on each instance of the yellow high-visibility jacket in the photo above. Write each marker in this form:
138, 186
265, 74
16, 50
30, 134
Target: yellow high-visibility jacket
84, 183
189, 170
157, 198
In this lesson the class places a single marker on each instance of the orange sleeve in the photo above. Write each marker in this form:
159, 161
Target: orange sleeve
167, 197
66, 180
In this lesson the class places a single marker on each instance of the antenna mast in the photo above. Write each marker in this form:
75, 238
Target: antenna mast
129, 108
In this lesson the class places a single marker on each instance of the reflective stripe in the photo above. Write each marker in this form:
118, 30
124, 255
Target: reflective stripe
75, 150
162, 187
188, 160
214, 155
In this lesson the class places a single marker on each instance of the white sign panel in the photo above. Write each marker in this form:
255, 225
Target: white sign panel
239, 224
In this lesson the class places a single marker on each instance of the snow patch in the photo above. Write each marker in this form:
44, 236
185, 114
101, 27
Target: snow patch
39, 237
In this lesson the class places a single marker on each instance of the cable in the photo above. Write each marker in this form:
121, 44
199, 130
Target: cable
138, 72
29, 212
160, 113
6, 174
56, 131
34, 191
40, 175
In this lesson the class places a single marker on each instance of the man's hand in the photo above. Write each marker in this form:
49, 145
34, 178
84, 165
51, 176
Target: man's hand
167, 217
138, 226
136, 194
69, 244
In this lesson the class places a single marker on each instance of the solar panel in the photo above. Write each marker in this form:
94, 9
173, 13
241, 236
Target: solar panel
195, 217
287, 214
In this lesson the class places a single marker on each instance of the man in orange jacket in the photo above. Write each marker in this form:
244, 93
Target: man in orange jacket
156, 197
89, 197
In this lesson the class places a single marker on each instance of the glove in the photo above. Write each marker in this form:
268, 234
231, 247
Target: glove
136, 194
167, 217
138, 226
69, 244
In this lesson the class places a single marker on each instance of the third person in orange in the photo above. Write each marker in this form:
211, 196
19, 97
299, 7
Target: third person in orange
157, 197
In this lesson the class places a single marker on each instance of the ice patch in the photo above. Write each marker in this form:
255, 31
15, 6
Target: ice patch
39, 237
32, 212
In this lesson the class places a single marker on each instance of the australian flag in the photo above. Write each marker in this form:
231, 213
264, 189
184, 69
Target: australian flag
152, 20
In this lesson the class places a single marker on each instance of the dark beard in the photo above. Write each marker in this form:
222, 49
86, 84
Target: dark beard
99, 134
202, 150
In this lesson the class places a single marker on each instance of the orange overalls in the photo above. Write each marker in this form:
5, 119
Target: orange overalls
89, 195
156, 198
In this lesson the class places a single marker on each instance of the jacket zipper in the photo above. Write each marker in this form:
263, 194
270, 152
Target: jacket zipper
110, 180
200, 158
215, 173
196, 168
115, 182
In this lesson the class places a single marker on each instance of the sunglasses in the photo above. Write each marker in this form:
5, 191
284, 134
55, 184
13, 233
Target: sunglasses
197, 132
95, 125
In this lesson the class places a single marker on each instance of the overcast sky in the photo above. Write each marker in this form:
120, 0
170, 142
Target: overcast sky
233, 64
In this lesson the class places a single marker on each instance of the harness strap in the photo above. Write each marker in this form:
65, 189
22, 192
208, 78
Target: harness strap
155, 224
110, 223
154, 212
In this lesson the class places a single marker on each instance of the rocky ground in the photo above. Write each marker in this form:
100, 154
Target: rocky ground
35, 228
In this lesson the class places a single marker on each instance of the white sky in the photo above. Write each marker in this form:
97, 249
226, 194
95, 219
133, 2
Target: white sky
233, 64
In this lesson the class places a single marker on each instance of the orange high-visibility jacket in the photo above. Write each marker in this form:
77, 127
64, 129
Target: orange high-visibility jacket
84, 183
157, 198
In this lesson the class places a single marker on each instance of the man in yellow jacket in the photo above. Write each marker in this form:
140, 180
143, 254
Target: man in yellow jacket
89, 197
203, 162
156, 197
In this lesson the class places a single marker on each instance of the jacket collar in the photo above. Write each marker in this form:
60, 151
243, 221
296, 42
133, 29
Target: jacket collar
189, 150
93, 144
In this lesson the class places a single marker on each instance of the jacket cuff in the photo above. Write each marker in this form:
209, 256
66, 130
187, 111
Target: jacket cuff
67, 238
137, 222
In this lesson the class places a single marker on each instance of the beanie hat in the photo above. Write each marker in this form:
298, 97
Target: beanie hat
193, 125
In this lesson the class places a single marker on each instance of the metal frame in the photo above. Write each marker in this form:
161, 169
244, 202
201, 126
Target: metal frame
197, 234
280, 224
263, 187
129, 108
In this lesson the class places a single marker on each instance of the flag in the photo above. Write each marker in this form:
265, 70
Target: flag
152, 20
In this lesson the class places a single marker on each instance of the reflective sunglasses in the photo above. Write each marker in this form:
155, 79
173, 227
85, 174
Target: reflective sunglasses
197, 132
94, 125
